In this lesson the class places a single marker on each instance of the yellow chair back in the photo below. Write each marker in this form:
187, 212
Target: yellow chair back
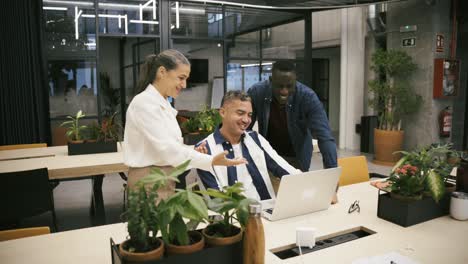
23, 146
23, 232
353, 170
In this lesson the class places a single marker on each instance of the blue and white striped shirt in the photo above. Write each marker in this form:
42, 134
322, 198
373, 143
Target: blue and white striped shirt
261, 158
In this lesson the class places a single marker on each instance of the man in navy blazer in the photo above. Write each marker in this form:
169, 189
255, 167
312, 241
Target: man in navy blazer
289, 114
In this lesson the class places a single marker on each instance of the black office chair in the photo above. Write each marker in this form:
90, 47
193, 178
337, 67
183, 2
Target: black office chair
25, 194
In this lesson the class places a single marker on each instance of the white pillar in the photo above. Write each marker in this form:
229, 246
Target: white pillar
352, 76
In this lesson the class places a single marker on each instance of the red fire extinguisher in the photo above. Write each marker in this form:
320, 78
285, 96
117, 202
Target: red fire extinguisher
445, 122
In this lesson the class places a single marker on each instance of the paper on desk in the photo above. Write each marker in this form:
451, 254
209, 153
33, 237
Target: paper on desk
390, 258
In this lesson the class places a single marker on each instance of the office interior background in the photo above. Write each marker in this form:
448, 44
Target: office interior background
58, 57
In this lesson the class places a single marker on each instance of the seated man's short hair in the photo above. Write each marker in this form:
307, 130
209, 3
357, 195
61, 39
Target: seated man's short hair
235, 95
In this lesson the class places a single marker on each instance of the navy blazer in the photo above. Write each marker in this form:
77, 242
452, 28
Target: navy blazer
306, 117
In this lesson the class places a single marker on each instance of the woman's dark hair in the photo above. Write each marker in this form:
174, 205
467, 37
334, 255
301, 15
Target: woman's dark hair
169, 59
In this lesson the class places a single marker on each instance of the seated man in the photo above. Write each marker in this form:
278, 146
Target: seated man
231, 136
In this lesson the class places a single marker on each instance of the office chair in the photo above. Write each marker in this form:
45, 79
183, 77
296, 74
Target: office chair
23, 232
353, 170
23, 146
25, 194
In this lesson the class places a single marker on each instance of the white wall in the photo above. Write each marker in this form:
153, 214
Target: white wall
352, 76
326, 28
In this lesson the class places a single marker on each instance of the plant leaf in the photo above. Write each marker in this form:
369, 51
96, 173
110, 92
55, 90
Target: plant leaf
179, 229
435, 185
198, 204
179, 169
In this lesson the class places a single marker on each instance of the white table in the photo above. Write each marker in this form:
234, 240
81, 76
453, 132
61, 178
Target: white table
442, 240
62, 167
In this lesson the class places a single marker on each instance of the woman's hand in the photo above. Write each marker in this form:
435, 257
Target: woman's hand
202, 148
221, 160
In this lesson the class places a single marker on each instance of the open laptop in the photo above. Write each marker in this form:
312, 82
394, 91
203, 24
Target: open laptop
302, 193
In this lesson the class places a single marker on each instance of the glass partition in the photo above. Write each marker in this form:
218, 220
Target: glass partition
284, 41
140, 17
196, 20
242, 74
245, 46
69, 28
72, 87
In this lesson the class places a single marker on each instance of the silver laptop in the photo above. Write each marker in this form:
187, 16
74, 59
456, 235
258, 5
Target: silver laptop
302, 193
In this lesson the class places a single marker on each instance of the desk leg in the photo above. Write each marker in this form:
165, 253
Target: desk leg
97, 210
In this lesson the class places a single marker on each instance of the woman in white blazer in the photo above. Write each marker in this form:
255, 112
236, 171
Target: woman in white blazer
152, 134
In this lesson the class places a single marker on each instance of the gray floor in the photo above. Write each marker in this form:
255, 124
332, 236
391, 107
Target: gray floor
72, 198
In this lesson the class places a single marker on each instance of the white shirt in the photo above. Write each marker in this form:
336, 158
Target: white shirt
153, 136
219, 177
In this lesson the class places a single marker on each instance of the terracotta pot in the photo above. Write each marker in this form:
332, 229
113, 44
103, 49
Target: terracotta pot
197, 246
222, 241
154, 254
385, 144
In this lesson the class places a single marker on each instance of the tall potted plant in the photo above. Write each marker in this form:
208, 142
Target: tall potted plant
393, 99
144, 216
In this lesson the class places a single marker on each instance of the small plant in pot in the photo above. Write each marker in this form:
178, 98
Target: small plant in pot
423, 171
110, 128
233, 206
201, 125
144, 216
180, 237
74, 128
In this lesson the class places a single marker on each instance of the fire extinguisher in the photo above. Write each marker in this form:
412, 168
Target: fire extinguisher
445, 122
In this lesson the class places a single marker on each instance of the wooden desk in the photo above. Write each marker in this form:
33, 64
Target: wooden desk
63, 167
32, 153
442, 240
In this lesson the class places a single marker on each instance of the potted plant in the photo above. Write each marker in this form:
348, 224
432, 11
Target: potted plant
100, 138
74, 129
232, 205
201, 125
393, 99
431, 165
180, 237
144, 216
110, 129
417, 186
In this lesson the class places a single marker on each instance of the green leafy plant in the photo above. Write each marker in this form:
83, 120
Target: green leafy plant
109, 129
204, 121
74, 127
93, 131
407, 181
430, 174
143, 215
393, 94
172, 211
232, 205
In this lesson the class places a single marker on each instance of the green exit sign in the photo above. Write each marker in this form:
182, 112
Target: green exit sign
408, 42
